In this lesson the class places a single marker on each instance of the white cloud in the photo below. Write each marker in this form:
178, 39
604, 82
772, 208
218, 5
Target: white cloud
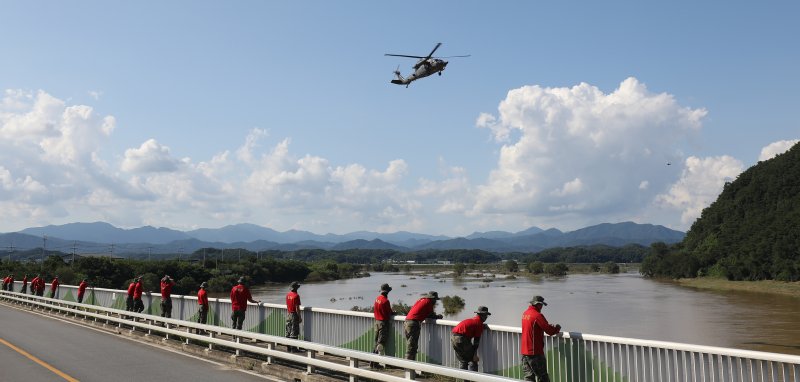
700, 184
775, 148
95, 94
149, 157
581, 153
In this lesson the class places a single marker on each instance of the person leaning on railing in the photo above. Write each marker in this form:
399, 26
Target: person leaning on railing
54, 287
422, 310
82, 289
138, 289
240, 295
465, 338
24, 284
166, 296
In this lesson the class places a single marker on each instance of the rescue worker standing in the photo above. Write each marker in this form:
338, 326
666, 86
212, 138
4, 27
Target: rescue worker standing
54, 287
382, 309
293, 318
202, 309
534, 325
138, 288
81, 290
240, 295
422, 310
465, 338
129, 299
24, 284
166, 296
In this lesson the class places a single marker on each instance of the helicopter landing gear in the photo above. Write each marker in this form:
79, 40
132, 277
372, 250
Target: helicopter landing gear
440, 74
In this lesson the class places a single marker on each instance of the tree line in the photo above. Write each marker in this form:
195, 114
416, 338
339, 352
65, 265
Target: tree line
749, 233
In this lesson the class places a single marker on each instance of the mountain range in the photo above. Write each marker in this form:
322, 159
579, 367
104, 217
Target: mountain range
100, 237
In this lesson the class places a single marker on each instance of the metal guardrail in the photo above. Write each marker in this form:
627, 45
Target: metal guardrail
571, 356
170, 326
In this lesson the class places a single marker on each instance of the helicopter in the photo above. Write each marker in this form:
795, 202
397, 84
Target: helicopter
426, 66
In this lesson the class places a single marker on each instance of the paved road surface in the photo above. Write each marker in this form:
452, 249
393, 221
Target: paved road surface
89, 355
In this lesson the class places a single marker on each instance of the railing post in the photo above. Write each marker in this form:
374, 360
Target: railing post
238, 341
310, 368
353, 364
210, 345
269, 357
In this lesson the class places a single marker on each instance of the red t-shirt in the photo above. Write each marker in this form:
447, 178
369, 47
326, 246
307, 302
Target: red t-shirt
25, 280
137, 290
35, 283
382, 308
533, 326
82, 288
166, 288
131, 288
292, 302
421, 310
202, 297
471, 327
240, 295
54, 284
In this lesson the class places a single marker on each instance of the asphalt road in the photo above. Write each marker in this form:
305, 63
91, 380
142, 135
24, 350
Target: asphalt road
85, 354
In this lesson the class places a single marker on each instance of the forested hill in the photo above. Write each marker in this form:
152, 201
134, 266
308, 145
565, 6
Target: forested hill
751, 232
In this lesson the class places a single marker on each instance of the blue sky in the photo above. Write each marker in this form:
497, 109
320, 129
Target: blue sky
202, 114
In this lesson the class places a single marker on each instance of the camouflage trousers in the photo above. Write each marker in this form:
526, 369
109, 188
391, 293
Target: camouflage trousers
533, 367
412, 330
381, 336
465, 352
293, 325
237, 317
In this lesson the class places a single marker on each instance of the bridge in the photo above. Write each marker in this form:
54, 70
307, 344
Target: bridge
337, 345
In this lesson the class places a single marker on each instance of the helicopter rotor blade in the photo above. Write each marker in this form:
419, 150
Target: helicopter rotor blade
438, 44
466, 55
402, 55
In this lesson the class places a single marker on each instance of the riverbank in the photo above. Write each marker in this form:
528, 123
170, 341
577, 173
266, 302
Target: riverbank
763, 286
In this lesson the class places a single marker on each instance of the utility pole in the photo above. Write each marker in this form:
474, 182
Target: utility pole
73, 254
240, 255
112, 250
180, 253
44, 246
149, 250
10, 251
204, 257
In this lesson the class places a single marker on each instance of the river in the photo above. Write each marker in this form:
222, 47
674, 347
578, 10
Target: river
623, 305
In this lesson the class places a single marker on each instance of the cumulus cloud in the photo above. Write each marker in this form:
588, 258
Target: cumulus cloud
579, 152
775, 148
149, 157
700, 184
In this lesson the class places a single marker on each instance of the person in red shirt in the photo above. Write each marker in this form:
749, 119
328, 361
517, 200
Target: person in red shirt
129, 299
138, 305
382, 309
24, 284
54, 287
422, 310
202, 302
40, 287
293, 318
34, 285
240, 295
81, 290
465, 338
534, 325
7, 282
166, 296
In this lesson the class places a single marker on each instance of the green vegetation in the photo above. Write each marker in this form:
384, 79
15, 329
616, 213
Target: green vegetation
749, 233
452, 305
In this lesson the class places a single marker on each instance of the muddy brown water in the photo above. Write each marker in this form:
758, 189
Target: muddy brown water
623, 305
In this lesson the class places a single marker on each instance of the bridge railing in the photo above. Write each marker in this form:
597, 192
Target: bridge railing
255, 343
571, 356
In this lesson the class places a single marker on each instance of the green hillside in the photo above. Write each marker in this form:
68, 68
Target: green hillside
751, 232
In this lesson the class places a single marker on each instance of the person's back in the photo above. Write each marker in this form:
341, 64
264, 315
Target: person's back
239, 297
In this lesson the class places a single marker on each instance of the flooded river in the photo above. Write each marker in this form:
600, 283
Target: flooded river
624, 305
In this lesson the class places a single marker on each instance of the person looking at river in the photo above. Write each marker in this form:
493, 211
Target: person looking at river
382, 309
534, 325
465, 338
166, 296
293, 318
240, 295
422, 310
